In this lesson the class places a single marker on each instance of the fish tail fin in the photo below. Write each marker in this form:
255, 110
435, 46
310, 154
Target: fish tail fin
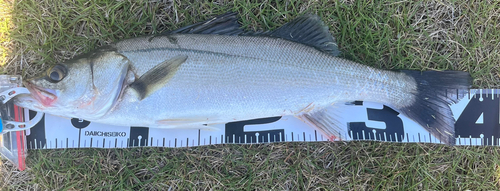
436, 90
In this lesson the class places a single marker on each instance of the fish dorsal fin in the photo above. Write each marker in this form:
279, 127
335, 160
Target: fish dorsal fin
225, 24
308, 29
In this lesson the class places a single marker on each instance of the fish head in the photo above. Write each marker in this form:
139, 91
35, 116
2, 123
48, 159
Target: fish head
61, 85
86, 87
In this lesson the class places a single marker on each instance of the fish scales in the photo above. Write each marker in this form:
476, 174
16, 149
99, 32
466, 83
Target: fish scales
213, 72
219, 81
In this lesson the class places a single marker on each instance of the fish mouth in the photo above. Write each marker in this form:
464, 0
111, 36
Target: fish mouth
44, 96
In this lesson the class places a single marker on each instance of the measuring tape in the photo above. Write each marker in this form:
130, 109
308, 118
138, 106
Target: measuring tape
12, 124
476, 115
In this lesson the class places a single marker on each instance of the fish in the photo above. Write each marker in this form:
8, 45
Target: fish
214, 72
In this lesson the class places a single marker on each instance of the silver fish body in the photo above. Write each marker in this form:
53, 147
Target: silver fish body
183, 80
229, 78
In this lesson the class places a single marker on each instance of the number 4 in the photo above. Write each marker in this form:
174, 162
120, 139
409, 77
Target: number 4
469, 122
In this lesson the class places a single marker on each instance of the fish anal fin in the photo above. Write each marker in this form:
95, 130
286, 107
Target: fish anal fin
157, 76
327, 121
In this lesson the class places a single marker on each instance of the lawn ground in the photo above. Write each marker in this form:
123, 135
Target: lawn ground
418, 35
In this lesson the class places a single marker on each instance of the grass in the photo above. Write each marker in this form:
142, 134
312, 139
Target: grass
420, 35
5, 23
280, 166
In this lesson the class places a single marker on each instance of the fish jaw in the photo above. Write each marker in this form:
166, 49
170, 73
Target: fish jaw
27, 101
46, 97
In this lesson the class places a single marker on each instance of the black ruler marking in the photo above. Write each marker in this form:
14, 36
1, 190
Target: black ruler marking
79, 136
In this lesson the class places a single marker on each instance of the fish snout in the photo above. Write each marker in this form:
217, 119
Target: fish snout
43, 95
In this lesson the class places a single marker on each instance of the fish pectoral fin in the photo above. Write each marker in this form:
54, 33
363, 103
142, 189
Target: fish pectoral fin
157, 77
327, 121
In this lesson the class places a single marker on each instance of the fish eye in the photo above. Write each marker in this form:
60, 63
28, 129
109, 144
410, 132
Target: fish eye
57, 73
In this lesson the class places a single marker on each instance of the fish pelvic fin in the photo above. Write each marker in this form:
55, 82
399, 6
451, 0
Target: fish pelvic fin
436, 90
157, 77
186, 124
327, 121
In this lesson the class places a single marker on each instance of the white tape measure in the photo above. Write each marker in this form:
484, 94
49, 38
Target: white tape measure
477, 116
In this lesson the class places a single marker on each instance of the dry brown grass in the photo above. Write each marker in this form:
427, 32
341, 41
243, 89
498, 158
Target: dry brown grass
10, 175
5, 26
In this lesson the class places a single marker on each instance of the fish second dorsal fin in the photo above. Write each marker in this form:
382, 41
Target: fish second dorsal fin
307, 29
